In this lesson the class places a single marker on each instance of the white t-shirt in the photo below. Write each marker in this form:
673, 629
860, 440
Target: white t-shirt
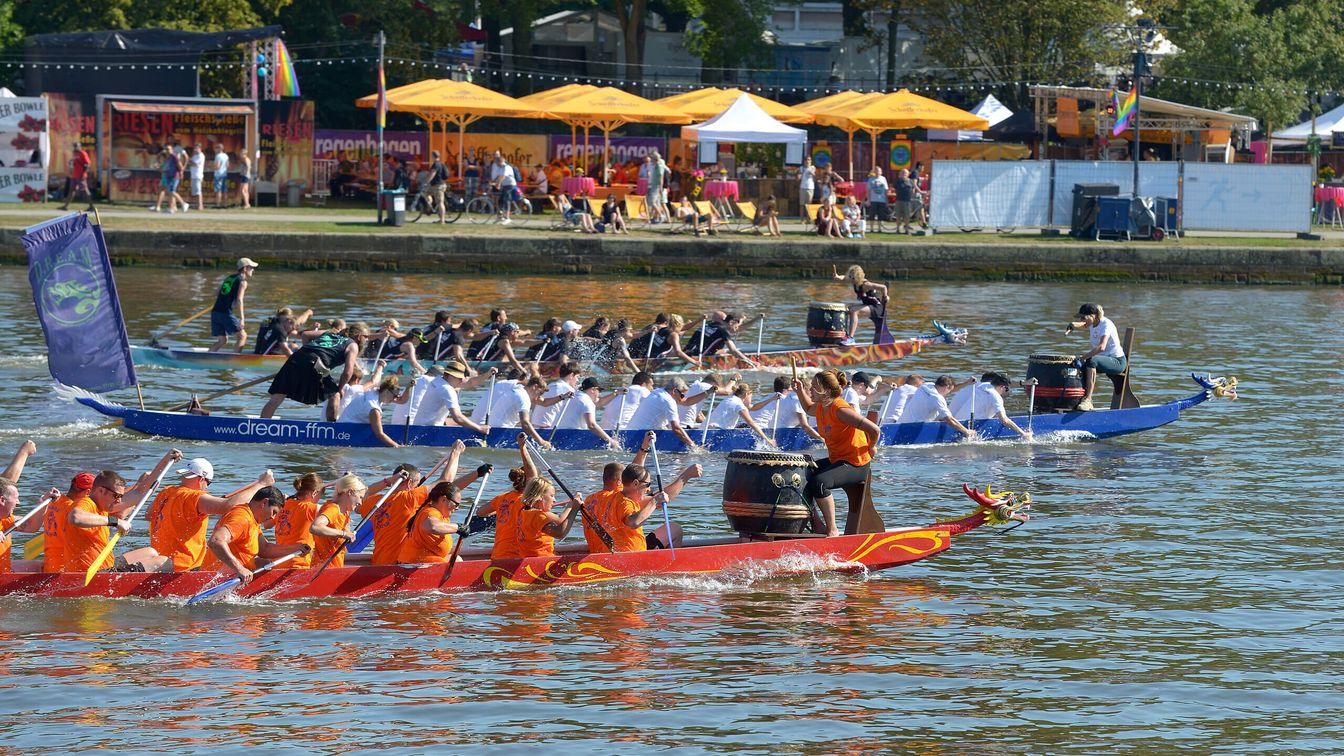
897, 402
851, 395
544, 417
726, 413
440, 399
924, 406
575, 416
1106, 328
221, 163
765, 416
358, 408
698, 391
491, 402
509, 406
197, 161
401, 412
657, 412
789, 411
988, 402
623, 407
807, 180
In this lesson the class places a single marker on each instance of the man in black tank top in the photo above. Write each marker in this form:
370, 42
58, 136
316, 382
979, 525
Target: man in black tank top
223, 324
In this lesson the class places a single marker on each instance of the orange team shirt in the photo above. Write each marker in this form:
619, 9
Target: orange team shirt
623, 537
82, 545
323, 546
6, 545
244, 537
54, 525
291, 529
389, 523
425, 548
177, 528
843, 442
507, 506
532, 542
596, 505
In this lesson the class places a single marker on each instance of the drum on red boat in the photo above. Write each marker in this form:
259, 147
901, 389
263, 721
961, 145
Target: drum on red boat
826, 323
763, 492
1059, 384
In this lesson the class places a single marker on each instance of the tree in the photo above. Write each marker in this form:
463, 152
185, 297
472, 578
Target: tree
728, 34
11, 33
1019, 40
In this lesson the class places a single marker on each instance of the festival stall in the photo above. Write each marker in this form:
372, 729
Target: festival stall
898, 110
608, 108
24, 147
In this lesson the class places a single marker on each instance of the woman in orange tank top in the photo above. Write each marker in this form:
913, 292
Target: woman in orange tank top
538, 526
293, 523
332, 524
429, 533
850, 440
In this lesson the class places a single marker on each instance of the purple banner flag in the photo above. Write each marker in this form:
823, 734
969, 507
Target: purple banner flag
77, 303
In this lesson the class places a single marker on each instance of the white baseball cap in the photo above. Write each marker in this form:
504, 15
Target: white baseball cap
199, 468
247, 262
570, 326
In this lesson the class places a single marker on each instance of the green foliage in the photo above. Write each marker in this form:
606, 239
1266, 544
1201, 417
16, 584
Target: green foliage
11, 33
1016, 40
730, 33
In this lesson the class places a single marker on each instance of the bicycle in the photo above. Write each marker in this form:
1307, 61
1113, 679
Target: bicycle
423, 205
482, 208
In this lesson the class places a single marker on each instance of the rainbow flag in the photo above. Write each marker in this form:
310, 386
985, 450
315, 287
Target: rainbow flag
382, 98
1124, 111
286, 82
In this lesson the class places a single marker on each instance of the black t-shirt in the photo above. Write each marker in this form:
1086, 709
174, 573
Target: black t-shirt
438, 173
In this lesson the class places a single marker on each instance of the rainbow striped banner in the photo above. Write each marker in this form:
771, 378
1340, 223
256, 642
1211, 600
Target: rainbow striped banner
1125, 111
286, 81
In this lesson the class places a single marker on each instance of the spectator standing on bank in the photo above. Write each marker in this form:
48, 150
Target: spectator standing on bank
807, 185
245, 182
438, 185
196, 170
170, 174
905, 196
877, 198
221, 176
79, 177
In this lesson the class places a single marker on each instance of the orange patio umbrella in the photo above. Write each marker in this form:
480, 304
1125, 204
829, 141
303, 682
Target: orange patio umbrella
444, 102
706, 103
840, 102
899, 110
607, 108
559, 94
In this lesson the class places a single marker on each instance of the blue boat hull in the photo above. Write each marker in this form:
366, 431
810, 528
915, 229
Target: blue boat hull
1096, 424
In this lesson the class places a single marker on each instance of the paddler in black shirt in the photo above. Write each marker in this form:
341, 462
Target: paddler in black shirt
305, 376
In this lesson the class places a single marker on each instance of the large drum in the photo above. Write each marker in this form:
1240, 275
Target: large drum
763, 492
1059, 384
826, 323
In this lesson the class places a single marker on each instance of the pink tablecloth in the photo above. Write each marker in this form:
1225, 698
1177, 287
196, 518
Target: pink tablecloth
576, 185
1333, 193
717, 189
642, 186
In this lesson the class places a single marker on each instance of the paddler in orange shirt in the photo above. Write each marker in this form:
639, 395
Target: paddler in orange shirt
237, 543
537, 525
85, 534
9, 502
293, 524
332, 524
429, 532
389, 522
624, 517
611, 493
55, 522
505, 507
850, 439
179, 518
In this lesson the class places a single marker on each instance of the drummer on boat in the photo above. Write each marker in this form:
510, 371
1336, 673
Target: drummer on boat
850, 440
1106, 355
872, 302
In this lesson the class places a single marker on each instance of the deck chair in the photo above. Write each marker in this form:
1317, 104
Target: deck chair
707, 208
810, 215
636, 211
1123, 398
746, 215
558, 221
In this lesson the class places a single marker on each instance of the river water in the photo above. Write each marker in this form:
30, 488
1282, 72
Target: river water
1177, 589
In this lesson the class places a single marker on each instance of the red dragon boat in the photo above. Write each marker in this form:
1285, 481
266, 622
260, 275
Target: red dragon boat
572, 566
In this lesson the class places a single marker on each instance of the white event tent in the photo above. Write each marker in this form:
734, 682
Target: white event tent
1326, 123
989, 109
744, 121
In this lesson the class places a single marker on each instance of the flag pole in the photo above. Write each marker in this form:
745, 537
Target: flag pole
381, 41
98, 220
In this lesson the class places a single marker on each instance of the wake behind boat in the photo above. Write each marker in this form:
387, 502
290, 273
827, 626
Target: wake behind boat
571, 566
244, 429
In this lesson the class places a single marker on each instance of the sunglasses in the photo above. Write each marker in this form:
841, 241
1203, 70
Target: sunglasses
115, 495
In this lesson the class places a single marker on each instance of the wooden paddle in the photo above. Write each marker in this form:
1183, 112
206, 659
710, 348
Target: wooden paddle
658, 475
226, 392
461, 533
588, 519
154, 339
227, 584
107, 550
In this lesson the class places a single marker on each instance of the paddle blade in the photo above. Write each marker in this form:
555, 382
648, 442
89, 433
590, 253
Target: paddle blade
207, 593
102, 555
36, 546
363, 535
